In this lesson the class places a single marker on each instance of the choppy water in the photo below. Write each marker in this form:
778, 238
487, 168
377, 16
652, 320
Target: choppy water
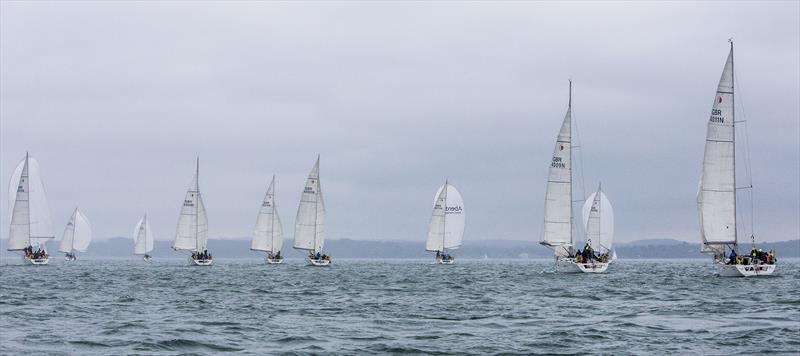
368, 306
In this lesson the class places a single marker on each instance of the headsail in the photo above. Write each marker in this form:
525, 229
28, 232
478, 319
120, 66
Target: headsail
309, 227
446, 229
268, 233
142, 237
77, 234
30, 215
717, 198
598, 218
192, 231
558, 198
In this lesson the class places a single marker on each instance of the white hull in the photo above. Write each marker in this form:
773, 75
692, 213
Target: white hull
319, 263
200, 262
744, 270
39, 261
440, 261
274, 261
568, 265
147, 258
70, 258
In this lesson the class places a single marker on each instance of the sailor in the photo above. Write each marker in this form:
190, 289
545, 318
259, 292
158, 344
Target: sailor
771, 256
278, 256
317, 256
732, 257
438, 254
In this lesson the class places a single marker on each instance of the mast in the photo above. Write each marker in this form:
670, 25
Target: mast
444, 216
272, 231
197, 207
28, 189
316, 206
571, 218
733, 123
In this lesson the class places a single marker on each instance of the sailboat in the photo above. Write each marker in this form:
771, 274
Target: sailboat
192, 234
309, 226
77, 235
143, 239
30, 226
598, 221
446, 229
268, 233
716, 198
559, 233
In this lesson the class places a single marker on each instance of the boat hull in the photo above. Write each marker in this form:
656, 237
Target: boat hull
70, 258
319, 262
274, 261
39, 261
440, 261
568, 265
147, 258
194, 262
745, 270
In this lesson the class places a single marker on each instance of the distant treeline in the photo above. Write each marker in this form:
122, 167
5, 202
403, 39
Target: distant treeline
346, 248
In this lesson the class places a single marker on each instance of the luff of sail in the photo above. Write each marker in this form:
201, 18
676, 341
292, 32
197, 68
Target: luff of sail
309, 233
558, 197
446, 229
268, 233
142, 237
192, 233
717, 198
30, 215
77, 233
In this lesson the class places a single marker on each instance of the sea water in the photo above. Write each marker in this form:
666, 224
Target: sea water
167, 307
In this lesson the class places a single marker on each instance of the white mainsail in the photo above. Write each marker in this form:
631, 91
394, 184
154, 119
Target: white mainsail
598, 218
309, 232
77, 234
30, 215
268, 233
558, 198
192, 231
142, 237
446, 229
717, 197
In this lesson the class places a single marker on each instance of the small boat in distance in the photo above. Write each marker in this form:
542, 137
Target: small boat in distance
598, 220
268, 233
309, 226
716, 197
30, 226
143, 239
77, 235
192, 234
446, 229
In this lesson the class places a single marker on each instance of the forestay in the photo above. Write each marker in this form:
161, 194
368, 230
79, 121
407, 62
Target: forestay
717, 199
309, 231
30, 215
142, 237
598, 218
192, 231
77, 234
446, 229
268, 233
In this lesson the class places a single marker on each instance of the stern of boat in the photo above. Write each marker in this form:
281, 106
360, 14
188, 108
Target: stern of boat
745, 270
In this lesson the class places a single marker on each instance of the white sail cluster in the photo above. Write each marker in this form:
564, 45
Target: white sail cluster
77, 235
446, 229
268, 233
309, 227
598, 219
30, 215
192, 233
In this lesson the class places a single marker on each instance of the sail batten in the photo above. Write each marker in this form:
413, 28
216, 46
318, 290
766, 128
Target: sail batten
309, 228
717, 194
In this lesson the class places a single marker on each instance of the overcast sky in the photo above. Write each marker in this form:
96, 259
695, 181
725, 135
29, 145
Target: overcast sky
115, 100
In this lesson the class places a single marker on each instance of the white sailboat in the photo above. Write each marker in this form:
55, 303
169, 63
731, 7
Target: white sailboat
77, 235
309, 226
30, 226
716, 198
446, 229
558, 219
143, 239
192, 233
598, 220
268, 233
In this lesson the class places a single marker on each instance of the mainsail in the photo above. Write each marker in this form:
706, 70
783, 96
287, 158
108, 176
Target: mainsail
30, 215
309, 232
558, 198
192, 231
77, 234
142, 237
717, 197
268, 233
446, 229
598, 218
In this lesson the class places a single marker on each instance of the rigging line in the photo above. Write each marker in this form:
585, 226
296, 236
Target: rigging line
747, 160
